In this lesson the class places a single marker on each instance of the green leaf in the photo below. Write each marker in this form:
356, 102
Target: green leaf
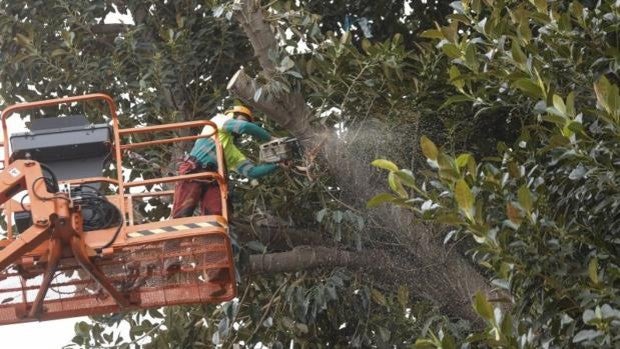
378, 297
613, 100
406, 177
397, 186
507, 325
403, 296
58, 52
517, 54
524, 31
82, 329
425, 344
586, 335
470, 57
432, 34
23, 40
385, 164
462, 160
593, 270
455, 78
570, 104
529, 87
286, 64
558, 104
577, 173
608, 96
180, 20
541, 5
455, 99
379, 199
294, 74
472, 166
257, 246
447, 342
218, 11
464, 198
558, 140
320, 215
428, 148
155, 314
525, 198
483, 307
366, 45
457, 6
337, 216
553, 117
601, 88
78, 340
451, 50
450, 32
136, 330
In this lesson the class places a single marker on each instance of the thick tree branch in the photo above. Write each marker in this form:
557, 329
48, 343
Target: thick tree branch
304, 258
276, 236
288, 110
380, 265
262, 39
110, 28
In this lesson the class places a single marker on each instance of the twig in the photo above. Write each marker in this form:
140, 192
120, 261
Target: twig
262, 319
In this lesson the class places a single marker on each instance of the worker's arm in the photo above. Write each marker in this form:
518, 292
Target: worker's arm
251, 170
245, 127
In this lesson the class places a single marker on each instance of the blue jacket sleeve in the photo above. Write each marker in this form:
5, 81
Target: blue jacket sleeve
250, 170
245, 127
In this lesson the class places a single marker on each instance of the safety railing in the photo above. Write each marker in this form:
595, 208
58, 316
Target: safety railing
164, 263
119, 147
218, 176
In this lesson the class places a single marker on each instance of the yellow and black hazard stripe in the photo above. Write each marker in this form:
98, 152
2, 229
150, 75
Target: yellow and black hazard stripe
173, 228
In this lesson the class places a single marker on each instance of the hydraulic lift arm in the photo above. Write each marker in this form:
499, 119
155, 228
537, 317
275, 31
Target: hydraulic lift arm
54, 219
27, 175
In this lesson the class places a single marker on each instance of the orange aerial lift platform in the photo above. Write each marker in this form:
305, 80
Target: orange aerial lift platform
75, 248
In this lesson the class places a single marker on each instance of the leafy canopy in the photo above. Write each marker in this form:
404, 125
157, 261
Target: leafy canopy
545, 213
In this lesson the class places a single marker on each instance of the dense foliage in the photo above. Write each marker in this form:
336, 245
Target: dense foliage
545, 213
171, 62
540, 77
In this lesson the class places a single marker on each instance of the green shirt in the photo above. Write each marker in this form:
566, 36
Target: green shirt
204, 148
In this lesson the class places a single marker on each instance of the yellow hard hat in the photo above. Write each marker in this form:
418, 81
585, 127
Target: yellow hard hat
241, 110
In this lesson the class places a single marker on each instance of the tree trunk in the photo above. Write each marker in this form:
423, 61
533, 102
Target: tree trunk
435, 272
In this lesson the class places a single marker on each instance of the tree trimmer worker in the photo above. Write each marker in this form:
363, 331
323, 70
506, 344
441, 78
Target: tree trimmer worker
188, 194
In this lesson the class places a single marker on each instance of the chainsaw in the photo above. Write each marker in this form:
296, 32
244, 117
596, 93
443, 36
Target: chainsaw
285, 149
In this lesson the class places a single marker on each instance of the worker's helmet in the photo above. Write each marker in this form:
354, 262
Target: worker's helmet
238, 109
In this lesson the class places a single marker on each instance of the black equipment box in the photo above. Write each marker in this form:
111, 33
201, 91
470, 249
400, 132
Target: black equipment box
69, 145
